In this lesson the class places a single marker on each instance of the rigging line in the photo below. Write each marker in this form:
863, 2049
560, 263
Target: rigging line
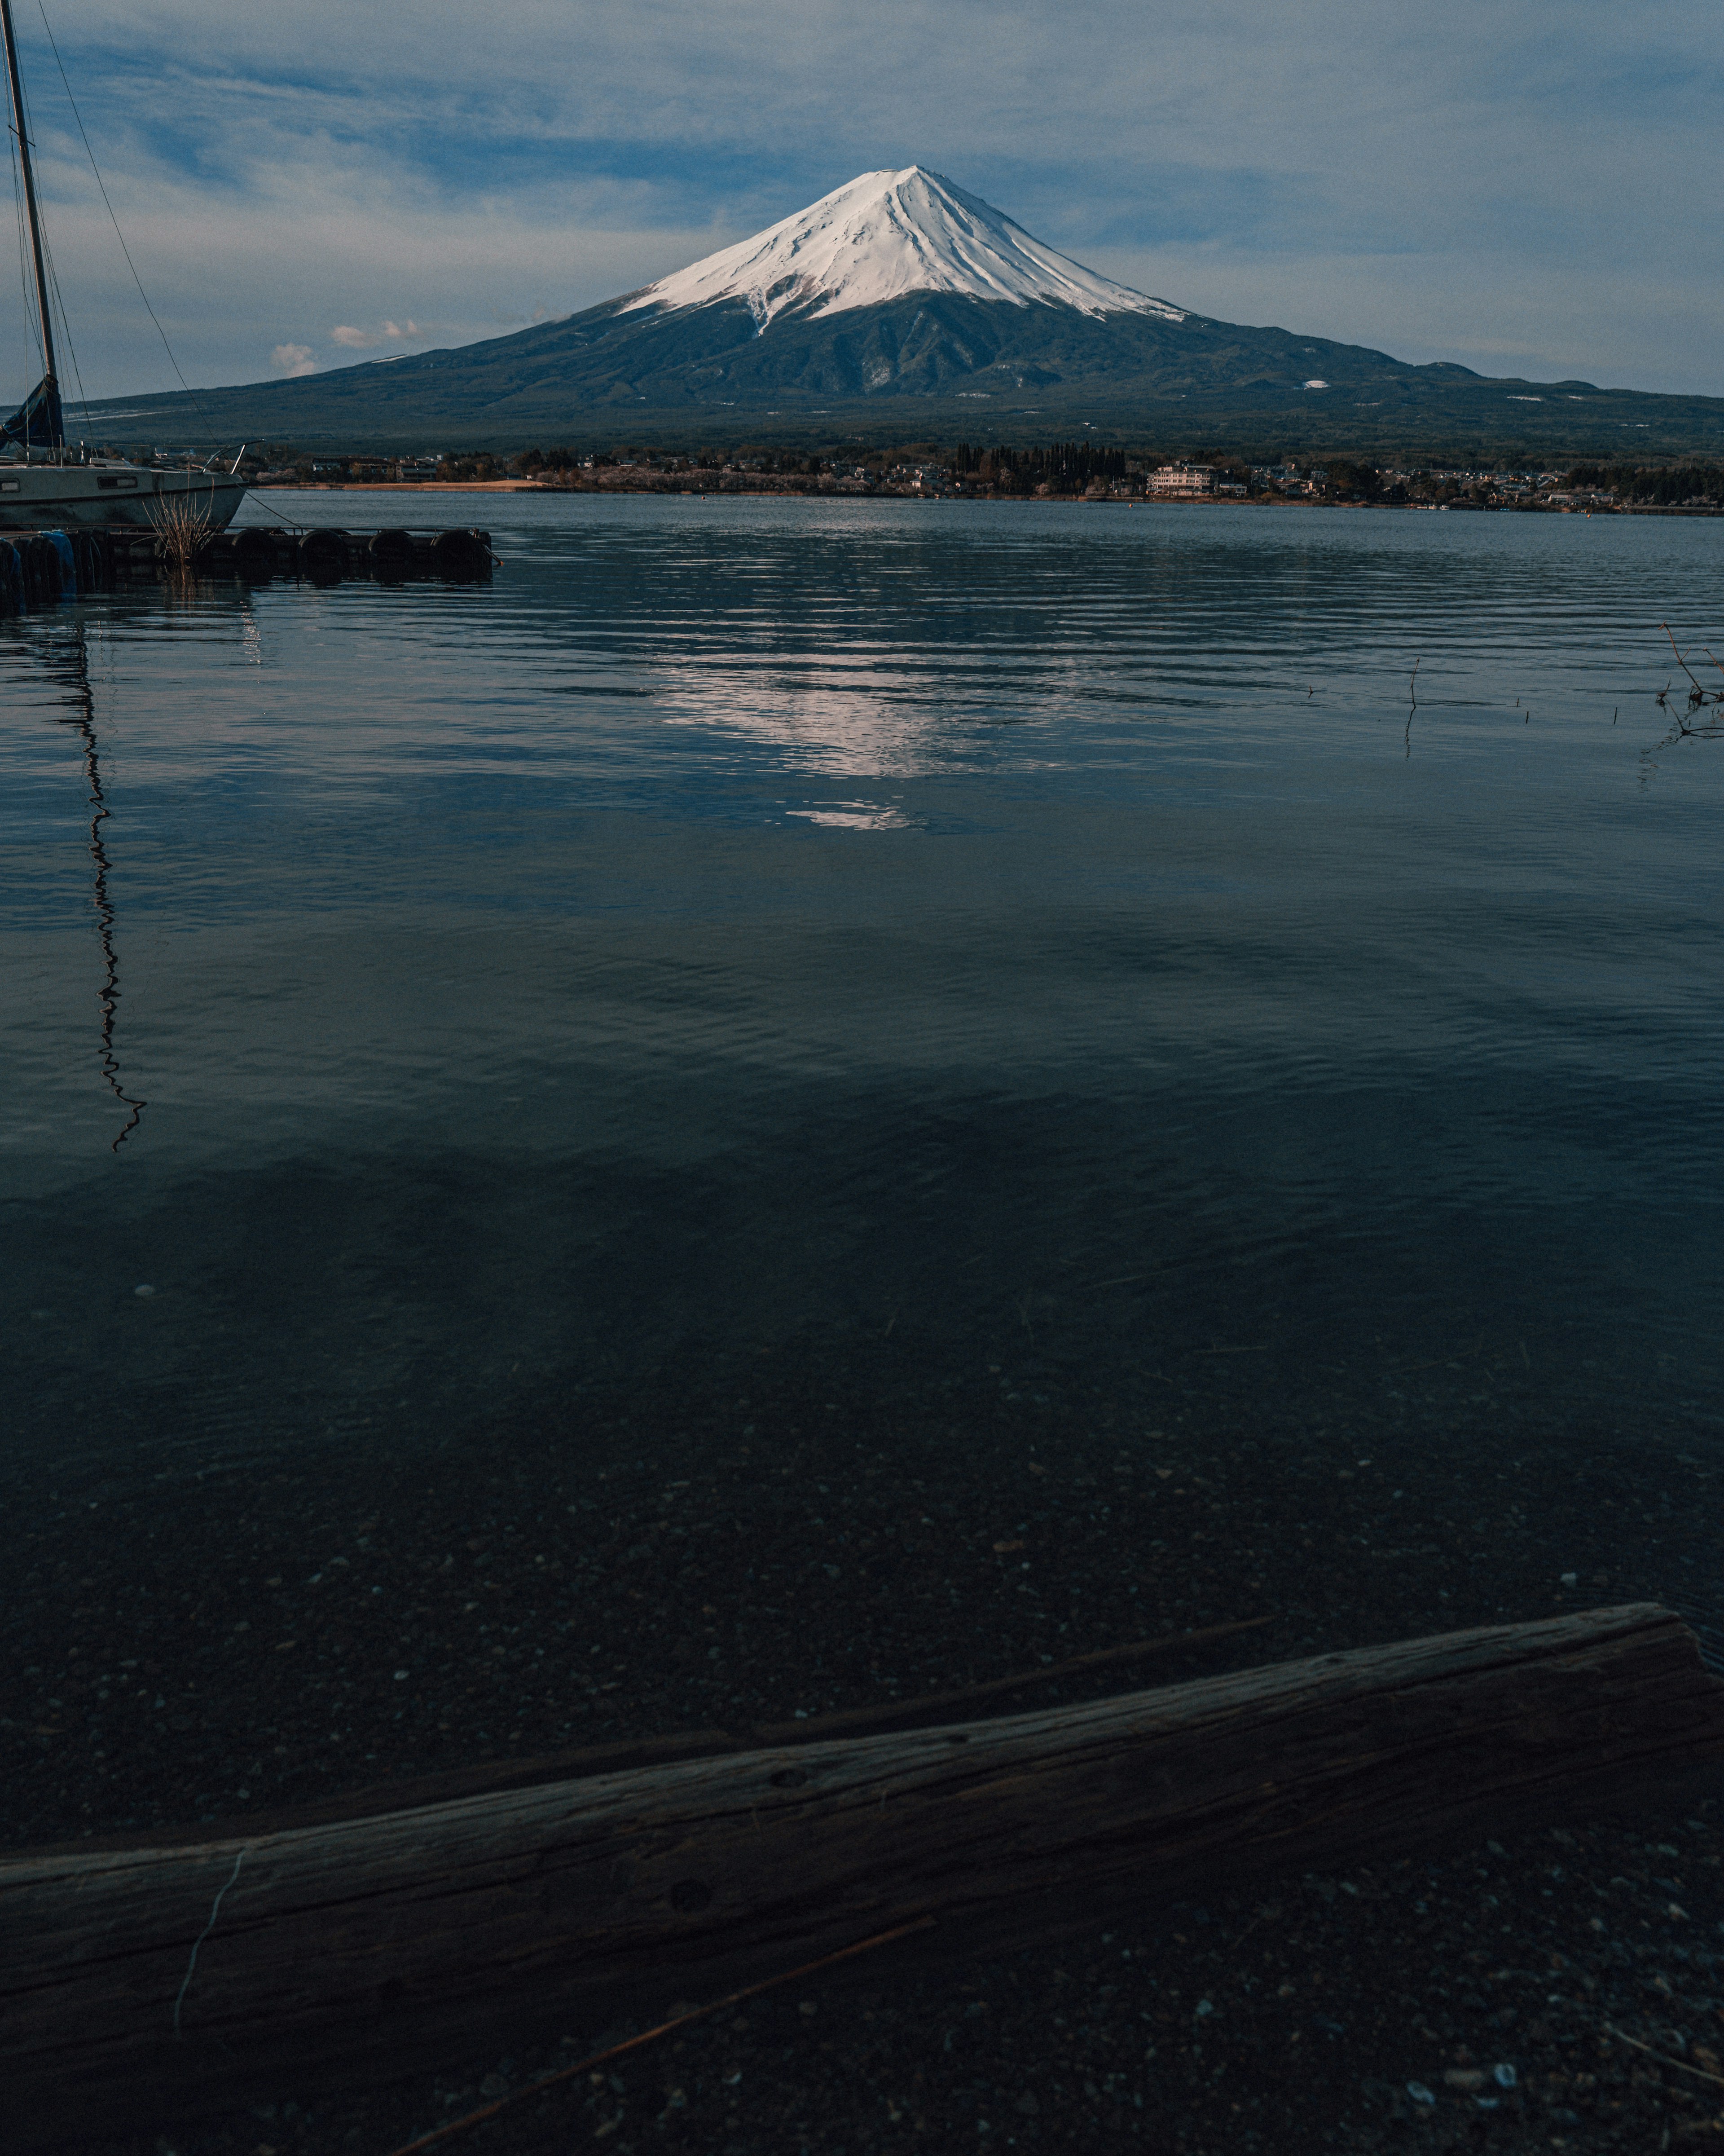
292, 523
53, 279
113, 220
17, 197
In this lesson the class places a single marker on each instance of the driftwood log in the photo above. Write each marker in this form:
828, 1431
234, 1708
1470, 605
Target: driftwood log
205, 1972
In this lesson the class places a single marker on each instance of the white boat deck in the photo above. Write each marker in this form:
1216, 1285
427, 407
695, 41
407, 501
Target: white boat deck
110, 491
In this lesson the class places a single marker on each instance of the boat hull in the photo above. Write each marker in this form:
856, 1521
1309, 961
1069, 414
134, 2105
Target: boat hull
39, 497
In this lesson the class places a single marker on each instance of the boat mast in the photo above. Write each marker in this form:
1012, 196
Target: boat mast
30, 208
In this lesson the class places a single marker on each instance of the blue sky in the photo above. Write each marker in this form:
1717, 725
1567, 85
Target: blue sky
1526, 188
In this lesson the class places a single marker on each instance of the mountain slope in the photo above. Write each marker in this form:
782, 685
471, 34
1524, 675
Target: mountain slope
900, 306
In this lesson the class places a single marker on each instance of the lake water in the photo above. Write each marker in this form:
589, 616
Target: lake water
769, 917
798, 1102
958, 947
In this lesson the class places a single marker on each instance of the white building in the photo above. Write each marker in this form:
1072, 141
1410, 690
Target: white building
1186, 482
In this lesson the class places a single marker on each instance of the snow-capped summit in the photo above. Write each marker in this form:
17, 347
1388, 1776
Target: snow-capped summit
882, 237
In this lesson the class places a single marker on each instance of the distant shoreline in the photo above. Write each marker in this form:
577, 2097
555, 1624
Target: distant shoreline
407, 486
909, 494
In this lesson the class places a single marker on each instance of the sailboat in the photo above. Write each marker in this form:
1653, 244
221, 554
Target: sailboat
47, 482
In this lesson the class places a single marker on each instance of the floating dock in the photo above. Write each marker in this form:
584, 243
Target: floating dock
41, 568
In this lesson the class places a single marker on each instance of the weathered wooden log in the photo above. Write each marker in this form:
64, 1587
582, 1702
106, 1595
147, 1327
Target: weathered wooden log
225, 1966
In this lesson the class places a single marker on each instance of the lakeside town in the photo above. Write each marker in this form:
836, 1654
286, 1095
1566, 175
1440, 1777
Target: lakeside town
1070, 471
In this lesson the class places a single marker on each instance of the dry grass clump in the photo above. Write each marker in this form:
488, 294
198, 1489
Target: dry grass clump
183, 530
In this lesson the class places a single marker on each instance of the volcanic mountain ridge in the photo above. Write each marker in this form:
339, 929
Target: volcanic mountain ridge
901, 305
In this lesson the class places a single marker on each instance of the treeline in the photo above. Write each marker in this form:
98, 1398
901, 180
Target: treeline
1347, 475
661, 459
1059, 468
1064, 465
1667, 484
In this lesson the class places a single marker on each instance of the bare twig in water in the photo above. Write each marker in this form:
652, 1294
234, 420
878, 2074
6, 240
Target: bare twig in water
1683, 725
651, 2035
1412, 702
1681, 660
1697, 696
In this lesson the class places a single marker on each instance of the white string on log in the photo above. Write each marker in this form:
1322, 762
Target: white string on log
214, 1912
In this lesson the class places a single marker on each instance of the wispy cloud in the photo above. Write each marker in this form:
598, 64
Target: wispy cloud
358, 339
291, 359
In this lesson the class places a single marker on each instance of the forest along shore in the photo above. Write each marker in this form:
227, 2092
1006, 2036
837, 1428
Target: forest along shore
1072, 471
781, 489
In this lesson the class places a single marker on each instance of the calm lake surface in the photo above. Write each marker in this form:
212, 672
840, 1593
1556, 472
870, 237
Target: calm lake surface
757, 917
1051, 941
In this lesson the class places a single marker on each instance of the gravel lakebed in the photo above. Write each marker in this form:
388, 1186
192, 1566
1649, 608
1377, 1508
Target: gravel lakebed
752, 1534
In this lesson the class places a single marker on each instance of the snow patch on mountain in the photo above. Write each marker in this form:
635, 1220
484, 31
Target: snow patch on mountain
882, 236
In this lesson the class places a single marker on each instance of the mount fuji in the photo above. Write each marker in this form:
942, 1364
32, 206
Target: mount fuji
901, 305
883, 237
